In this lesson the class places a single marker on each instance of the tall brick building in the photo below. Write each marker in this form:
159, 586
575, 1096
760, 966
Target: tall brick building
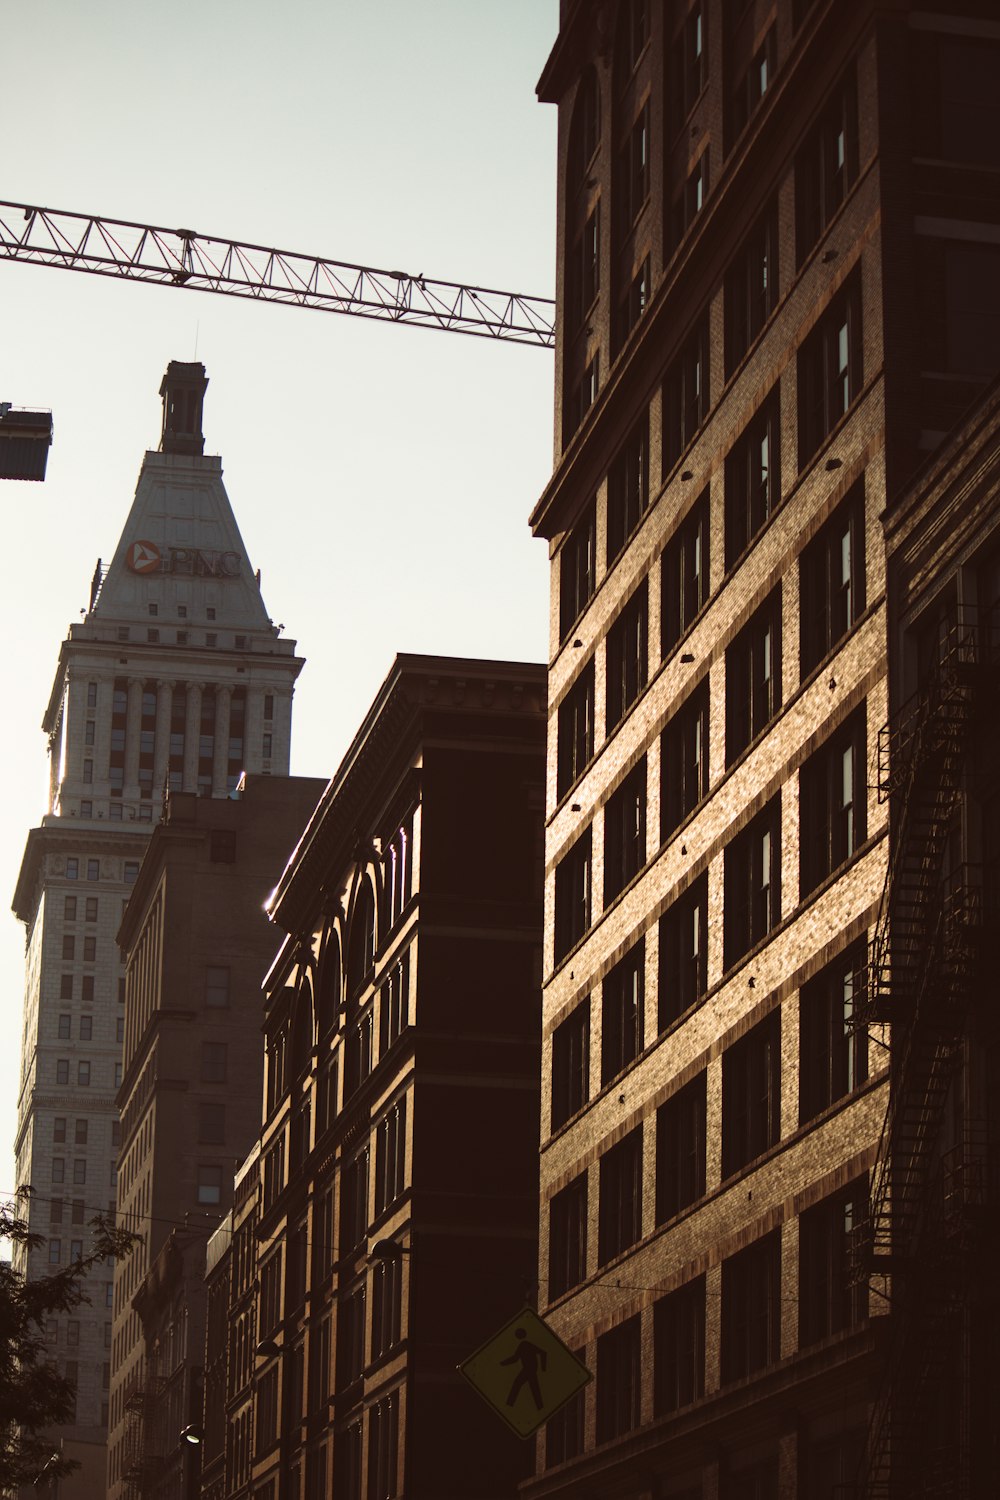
777, 290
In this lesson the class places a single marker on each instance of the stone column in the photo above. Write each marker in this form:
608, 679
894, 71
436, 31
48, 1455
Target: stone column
132, 724
161, 752
192, 731
220, 761
253, 730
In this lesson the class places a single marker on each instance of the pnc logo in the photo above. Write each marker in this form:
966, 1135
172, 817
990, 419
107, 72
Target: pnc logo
146, 557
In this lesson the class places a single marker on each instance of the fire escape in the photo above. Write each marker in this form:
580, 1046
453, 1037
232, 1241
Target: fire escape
138, 1463
931, 1190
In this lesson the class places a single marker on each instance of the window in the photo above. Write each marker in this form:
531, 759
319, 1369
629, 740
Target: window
829, 1301
625, 833
216, 986
131, 871
119, 1028
753, 883
55, 1252
683, 953
577, 575
65, 987
687, 64
80, 1171
583, 272
620, 1217
72, 868
833, 1051
584, 133
684, 761
753, 677
63, 1031
679, 1347
59, 1128
621, 1024
94, 869
619, 1380
69, 908
81, 1131
87, 809
680, 1150
88, 770
58, 1169
628, 488
757, 1480
572, 896
581, 398
827, 166
689, 202
576, 730
685, 578
77, 1211
571, 1065
753, 83
830, 369
832, 803
832, 582
390, 1156
76, 1250
685, 395
213, 1062
394, 1013
90, 911
751, 1094
268, 706
89, 950
87, 989
68, 947
632, 304
83, 1074
632, 178
91, 694
750, 1308
753, 479
383, 1443
209, 1185
62, 1070
212, 1124
626, 658
387, 1293
568, 1237
564, 1431
354, 1202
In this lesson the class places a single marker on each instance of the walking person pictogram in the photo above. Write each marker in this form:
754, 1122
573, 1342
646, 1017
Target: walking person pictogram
529, 1356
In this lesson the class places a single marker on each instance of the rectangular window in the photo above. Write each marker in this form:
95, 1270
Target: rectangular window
390, 1156
751, 1094
216, 986
93, 869
80, 1171
832, 582
684, 761
632, 177
91, 694
685, 577
631, 305
58, 1169
89, 950
568, 1237
832, 803
131, 871
620, 1215
572, 896
55, 1252
621, 1022
63, 1032
83, 1074
88, 771
87, 989
753, 83
65, 987
68, 947
59, 1128
72, 868
826, 166
564, 1431
689, 202
680, 1150
69, 908
679, 1347
751, 1308
683, 953
354, 1202
571, 1065
626, 658
576, 730
212, 1124
685, 395
830, 369
81, 1132
383, 1443
581, 398
583, 273
753, 677
210, 1180
87, 809
829, 1300
687, 66
751, 292
62, 1070
55, 1210
78, 1211
387, 1302
753, 883
90, 912
833, 1050
625, 833
213, 1062
628, 488
577, 570
753, 479
619, 1380
86, 1028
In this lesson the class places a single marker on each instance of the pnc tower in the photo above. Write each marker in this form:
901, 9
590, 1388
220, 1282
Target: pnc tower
175, 679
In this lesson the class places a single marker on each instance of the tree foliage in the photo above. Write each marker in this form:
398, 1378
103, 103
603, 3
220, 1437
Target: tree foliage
33, 1394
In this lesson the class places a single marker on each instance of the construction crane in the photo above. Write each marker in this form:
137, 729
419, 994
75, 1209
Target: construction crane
206, 263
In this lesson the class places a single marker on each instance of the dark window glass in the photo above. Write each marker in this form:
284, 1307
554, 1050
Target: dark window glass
687, 66
753, 478
684, 760
833, 1050
689, 202
683, 951
351, 1335
619, 1380
577, 575
751, 1308
390, 1156
832, 581
751, 293
576, 730
626, 658
753, 677
212, 1124
383, 1445
826, 167
679, 1347
583, 272
582, 395
571, 1065
621, 1023
685, 574
632, 304
753, 82
387, 1304
632, 178
753, 883
832, 803
354, 1202
584, 131
625, 833
620, 1219
832, 1465
685, 395
830, 369
751, 1094
564, 1432
568, 1237
756, 1481
572, 915
628, 488
829, 1299
680, 1150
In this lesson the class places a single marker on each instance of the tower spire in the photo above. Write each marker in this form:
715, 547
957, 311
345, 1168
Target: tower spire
183, 390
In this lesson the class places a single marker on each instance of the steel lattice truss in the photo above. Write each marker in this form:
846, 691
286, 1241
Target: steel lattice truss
199, 262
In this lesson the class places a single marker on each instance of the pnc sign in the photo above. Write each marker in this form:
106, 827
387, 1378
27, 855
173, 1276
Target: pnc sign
147, 557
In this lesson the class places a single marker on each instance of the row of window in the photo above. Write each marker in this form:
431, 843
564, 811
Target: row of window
85, 1028
130, 871
832, 828
828, 1302
83, 1072
833, 1055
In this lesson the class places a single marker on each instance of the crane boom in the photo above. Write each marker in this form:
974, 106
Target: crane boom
206, 263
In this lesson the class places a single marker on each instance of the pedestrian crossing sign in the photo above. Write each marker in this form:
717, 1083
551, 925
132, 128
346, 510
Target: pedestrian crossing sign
525, 1372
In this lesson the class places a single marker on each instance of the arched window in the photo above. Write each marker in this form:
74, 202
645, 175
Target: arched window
302, 1030
630, 39
584, 131
329, 985
361, 938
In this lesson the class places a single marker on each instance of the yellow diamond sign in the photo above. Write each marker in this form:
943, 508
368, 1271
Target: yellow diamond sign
525, 1372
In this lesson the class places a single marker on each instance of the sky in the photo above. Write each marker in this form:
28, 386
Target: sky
381, 475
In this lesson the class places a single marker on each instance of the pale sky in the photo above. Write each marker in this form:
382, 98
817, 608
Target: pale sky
381, 476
